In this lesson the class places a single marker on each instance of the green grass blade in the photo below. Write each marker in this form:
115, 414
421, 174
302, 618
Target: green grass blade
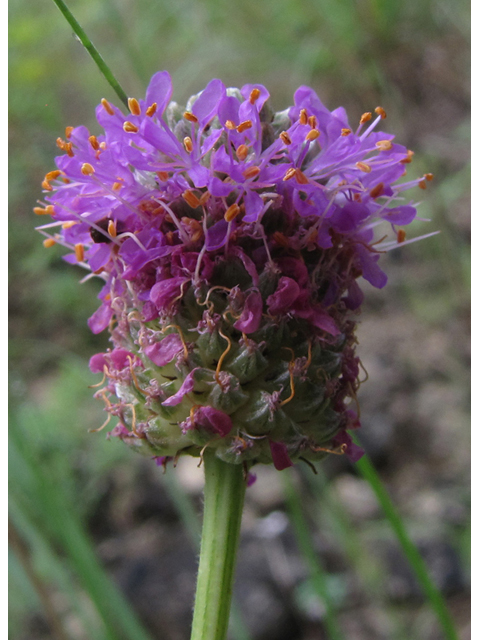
92, 50
310, 555
437, 602
117, 614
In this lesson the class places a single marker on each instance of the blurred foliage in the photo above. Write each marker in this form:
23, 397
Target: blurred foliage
411, 57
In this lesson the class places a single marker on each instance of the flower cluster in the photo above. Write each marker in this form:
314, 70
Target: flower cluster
229, 239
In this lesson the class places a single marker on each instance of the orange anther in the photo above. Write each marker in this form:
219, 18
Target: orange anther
357, 197
242, 152
129, 127
251, 172
366, 117
377, 191
409, 157
191, 199
254, 95
384, 145
151, 109
230, 125
49, 242
401, 235
69, 149
191, 117
243, 126
346, 132
69, 224
103, 145
61, 143
285, 138
187, 141
94, 142
68, 132
363, 166
204, 198
112, 228
232, 212
116, 186
87, 169
280, 239
40, 211
312, 121
428, 176
303, 118
290, 173
47, 186
163, 175
134, 107
301, 177
51, 175
380, 111
107, 106
312, 135
422, 184
79, 252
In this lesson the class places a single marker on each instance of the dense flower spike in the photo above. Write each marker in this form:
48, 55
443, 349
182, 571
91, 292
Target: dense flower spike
229, 239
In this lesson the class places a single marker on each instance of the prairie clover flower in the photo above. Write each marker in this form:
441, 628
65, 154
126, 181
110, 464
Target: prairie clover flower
229, 239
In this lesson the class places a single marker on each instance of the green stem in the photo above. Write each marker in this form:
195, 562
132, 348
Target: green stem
416, 561
89, 46
224, 495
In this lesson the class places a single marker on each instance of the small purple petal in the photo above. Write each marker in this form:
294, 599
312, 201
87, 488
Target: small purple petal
216, 235
187, 387
353, 451
282, 300
163, 352
213, 420
100, 319
164, 293
206, 106
251, 317
280, 457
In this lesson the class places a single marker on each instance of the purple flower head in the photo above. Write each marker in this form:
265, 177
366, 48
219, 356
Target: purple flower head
230, 241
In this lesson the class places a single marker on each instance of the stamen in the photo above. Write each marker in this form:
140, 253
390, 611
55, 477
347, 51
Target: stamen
116, 186
254, 95
285, 138
290, 173
39, 211
422, 184
377, 191
366, 117
163, 175
187, 141
230, 125
151, 109
129, 127
112, 228
312, 135
409, 157
401, 235
79, 252
191, 199
346, 132
338, 452
428, 176
232, 212
380, 111
312, 121
69, 149
94, 142
251, 172
204, 198
301, 177
191, 117
243, 126
134, 107
222, 357
363, 166
87, 169
292, 386
134, 377
61, 144
107, 106
242, 152
51, 175
69, 224
49, 242
303, 118
384, 145
47, 186
68, 132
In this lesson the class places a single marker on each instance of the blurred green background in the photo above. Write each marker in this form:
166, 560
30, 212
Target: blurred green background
412, 58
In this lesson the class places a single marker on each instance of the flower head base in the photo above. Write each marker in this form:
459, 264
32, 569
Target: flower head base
229, 239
